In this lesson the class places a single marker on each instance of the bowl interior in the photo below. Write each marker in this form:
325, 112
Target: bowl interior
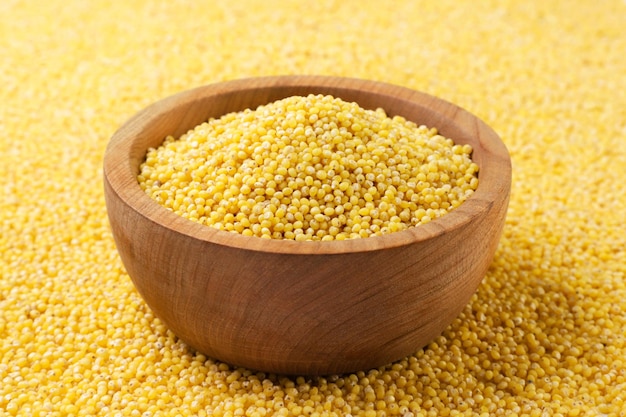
178, 114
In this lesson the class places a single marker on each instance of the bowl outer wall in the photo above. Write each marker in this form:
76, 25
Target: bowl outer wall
304, 307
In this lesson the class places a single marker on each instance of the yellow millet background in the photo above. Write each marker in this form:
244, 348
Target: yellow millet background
545, 333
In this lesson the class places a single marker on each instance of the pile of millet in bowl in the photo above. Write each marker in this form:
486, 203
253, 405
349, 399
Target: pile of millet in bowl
310, 168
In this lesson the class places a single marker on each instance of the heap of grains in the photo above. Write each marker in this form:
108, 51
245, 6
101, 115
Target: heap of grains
310, 168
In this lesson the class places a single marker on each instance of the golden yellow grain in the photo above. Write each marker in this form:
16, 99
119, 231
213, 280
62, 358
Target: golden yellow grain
346, 171
544, 334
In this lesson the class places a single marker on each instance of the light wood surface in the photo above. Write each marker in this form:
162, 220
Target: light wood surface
304, 307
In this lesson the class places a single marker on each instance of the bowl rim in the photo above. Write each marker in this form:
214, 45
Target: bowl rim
120, 171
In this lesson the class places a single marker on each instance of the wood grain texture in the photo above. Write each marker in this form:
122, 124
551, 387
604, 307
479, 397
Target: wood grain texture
304, 307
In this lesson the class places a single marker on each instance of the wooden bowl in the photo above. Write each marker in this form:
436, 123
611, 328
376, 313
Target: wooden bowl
309, 308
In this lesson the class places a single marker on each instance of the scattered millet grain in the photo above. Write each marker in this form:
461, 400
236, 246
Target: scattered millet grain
310, 168
543, 336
